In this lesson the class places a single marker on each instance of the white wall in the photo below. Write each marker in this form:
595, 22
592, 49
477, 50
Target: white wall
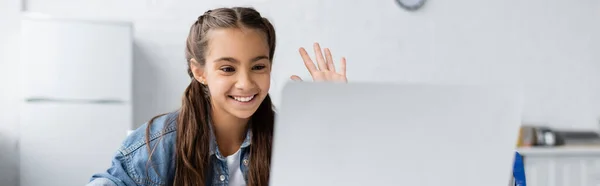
550, 47
9, 54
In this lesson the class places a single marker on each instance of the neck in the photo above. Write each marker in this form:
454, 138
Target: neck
229, 131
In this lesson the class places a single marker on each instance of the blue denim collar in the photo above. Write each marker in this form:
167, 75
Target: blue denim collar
214, 147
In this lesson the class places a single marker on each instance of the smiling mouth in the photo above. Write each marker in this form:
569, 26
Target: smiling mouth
243, 99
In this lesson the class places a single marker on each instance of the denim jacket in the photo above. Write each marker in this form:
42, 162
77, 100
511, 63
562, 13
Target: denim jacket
130, 163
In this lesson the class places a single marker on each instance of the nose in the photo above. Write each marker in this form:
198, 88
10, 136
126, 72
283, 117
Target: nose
244, 81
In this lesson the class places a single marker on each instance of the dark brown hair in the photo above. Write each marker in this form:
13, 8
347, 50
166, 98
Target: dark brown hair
193, 132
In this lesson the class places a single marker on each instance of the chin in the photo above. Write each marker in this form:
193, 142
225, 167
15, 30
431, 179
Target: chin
243, 114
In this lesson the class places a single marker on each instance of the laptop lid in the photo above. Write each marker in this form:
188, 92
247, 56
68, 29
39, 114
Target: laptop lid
395, 134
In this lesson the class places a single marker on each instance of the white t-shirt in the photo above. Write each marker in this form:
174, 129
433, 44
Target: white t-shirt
235, 173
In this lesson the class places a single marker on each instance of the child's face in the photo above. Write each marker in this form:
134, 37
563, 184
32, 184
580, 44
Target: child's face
237, 70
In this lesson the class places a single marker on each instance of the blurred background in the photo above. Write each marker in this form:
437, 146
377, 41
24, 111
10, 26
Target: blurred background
549, 47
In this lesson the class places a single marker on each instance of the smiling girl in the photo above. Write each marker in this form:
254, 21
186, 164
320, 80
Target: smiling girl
223, 132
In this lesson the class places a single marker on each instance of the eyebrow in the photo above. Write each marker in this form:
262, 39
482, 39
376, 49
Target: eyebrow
233, 60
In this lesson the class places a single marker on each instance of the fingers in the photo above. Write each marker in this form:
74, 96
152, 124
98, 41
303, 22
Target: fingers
329, 60
308, 62
319, 56
343, 67
324, 62
296, 78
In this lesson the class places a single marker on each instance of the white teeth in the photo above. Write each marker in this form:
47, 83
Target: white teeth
243, 99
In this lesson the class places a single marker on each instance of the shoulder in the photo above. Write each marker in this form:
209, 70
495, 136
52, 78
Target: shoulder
163, 126
148, 157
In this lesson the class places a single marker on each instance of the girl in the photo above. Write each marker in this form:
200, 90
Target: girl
222, 134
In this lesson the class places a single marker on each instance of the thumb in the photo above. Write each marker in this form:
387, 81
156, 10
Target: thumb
296, 78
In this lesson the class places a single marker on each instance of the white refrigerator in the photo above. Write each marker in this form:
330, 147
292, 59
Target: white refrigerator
76, 80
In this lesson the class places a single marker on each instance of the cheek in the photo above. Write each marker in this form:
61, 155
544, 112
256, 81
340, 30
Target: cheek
219, 86
264, 82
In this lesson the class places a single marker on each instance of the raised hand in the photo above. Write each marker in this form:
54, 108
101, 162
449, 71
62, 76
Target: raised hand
326, 69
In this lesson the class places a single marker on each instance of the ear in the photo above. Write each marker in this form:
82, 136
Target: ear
197, 70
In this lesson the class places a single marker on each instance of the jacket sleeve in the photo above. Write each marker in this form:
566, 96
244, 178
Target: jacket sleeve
116, 175
130, 163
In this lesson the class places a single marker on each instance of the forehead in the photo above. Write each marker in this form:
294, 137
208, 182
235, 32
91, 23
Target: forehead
237, 43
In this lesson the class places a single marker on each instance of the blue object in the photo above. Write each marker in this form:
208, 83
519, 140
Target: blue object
519, 170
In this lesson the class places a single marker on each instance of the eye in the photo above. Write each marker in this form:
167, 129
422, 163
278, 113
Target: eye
228, 69
259, 67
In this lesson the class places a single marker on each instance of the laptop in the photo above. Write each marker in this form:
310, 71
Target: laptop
395, 134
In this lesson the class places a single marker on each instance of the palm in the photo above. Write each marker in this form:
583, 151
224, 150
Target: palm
326, 69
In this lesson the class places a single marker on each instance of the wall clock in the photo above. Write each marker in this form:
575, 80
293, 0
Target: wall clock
411, 5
